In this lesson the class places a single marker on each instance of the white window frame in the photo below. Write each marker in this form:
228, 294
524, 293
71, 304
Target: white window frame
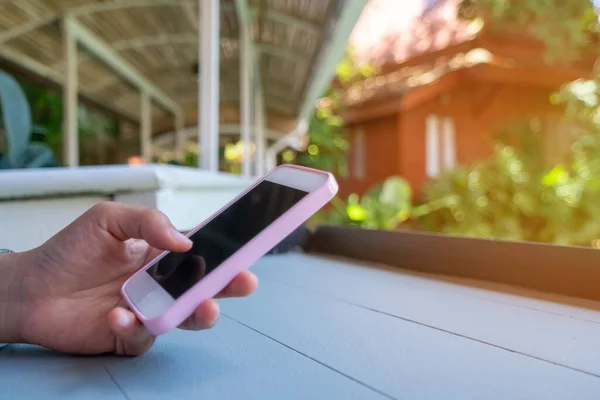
440, 144
448, 143
358, 154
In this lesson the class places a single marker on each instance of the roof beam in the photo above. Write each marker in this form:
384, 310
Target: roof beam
55, 80
192, 38
331, 52
192, 98
281, 51
285, 106
168, 138
114, 5
253, 12
287, 19
80, 11
192, 17
277, 51
282, 105
31, 64
184, 98
97, 47
17, 31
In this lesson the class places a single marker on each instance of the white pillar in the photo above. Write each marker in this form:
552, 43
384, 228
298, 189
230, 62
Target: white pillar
208, 85
259, 131
146, 128
245, 103
70, 118
179, 138
290, 139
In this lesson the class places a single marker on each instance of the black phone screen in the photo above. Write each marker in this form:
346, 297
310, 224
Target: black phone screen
225, 234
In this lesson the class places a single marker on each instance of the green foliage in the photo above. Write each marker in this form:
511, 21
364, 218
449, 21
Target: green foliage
46, 107
385, 206
506, 198
514, 195
17, 128
503, 197
565, 26
46, 112
328, 144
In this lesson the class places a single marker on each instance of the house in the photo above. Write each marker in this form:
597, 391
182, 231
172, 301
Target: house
444, 87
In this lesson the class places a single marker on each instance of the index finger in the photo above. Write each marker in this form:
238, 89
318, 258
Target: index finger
124, 221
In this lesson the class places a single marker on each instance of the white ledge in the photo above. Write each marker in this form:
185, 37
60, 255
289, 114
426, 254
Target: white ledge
112, 179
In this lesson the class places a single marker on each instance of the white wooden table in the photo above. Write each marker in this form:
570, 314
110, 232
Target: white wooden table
37, 203
320, 328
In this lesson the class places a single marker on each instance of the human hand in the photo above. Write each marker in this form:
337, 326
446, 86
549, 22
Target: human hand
66, 293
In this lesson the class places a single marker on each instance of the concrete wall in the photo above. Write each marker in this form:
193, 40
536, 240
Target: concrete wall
35, 204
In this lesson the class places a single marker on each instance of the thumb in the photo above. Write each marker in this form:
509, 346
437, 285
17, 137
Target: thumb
124, 221
133, 339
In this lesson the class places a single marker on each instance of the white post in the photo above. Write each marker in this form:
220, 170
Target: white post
259, 130
146, 128
208, 88
179, 138
70, 117
245, 88
290, 139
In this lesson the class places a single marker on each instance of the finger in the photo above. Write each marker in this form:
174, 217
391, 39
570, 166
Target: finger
124, 221
151, 255
133, 339
242, 285
205, 316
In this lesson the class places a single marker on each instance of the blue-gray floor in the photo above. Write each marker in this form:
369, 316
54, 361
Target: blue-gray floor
319, 328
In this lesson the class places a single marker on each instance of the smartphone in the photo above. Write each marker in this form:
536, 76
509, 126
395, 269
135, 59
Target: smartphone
169, 288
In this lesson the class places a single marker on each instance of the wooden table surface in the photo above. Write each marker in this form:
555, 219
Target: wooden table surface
322, 328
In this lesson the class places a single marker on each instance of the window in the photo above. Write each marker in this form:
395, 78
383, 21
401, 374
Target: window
432, 146
448, 143
358, 153
440, 145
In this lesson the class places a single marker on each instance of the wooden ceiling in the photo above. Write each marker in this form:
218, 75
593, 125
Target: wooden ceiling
159, 40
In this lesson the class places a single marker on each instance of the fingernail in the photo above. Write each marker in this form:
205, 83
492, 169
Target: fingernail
180, 237
254, 278
124, 319
213, 322
138, 246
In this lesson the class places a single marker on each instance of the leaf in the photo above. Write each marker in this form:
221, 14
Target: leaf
38, 155
395, 190
16, 117
356, 212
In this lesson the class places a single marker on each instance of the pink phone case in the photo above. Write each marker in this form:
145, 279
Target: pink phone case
243, 259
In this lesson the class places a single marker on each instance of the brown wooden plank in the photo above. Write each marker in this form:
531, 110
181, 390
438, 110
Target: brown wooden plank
572, 271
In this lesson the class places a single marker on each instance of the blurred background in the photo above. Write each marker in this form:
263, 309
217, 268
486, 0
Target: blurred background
466, 117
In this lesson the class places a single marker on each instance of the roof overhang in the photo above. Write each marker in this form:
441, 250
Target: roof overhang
297, 48
404, 97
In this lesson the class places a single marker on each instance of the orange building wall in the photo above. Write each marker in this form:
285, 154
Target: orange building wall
396, 144
381, 158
